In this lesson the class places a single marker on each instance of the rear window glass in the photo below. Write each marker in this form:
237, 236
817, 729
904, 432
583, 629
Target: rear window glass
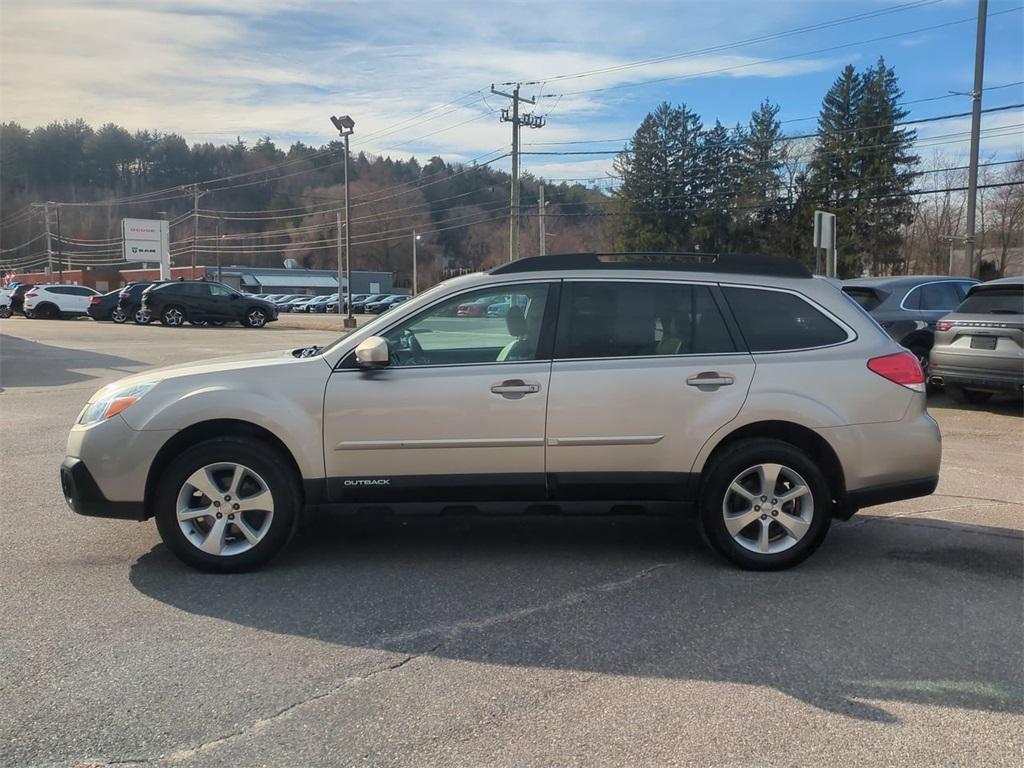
994, 301
775, 321
939, 296
866, 297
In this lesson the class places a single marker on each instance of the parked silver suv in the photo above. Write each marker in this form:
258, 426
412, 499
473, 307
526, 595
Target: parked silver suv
738, 387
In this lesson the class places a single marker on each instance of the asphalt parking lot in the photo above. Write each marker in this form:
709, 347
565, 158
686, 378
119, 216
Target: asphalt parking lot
473, 642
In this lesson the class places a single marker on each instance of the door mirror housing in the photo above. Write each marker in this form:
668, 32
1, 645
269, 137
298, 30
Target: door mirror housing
373, 353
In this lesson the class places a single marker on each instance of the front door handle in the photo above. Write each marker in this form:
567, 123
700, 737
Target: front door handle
710, 380
515, 388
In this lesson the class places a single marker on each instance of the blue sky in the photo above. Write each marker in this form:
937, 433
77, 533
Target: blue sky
214, 69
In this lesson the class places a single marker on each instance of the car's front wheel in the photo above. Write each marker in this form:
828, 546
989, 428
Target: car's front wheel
765, 505
173, 316
227, 505
5, 312
141, 316
256, 318
118, 315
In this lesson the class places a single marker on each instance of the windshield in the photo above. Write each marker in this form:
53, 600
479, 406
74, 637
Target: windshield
994, 301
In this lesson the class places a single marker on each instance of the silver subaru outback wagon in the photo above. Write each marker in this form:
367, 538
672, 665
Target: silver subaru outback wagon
735, 387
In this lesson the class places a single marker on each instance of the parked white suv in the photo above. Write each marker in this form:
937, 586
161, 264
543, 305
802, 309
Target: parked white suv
55, 301
739, 388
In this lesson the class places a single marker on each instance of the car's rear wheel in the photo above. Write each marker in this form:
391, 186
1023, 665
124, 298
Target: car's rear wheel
118, 315
173, 316
765, 505
972, 396
5, 312
227, 505
256, 318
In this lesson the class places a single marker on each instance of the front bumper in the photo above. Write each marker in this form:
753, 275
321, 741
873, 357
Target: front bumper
85, 497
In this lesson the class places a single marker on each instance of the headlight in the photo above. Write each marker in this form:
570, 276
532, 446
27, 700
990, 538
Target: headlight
111, 400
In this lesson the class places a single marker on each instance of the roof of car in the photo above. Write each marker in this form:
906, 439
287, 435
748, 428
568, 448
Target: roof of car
997, 283
902, 281
749, 264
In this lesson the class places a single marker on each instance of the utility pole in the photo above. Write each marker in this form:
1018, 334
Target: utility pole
530, 121
60, 251
195, 227
540, 219
49, 243
415, 282
972, 173
220, 222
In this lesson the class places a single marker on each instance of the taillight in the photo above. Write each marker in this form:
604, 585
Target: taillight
943, 325
94, 300
900, 368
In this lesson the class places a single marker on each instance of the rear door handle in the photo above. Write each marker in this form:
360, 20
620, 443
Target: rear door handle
515, 388
710, 380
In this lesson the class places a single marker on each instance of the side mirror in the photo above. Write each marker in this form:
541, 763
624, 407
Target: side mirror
373, 353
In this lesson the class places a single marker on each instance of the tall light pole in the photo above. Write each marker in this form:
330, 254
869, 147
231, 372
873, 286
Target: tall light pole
415, 284
345, 126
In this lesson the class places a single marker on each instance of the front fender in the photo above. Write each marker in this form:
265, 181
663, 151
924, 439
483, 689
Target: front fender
296, 419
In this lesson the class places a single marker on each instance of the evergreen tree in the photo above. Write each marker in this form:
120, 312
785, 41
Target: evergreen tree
718, 166
886, 163
835, 165
760, 161
662, 181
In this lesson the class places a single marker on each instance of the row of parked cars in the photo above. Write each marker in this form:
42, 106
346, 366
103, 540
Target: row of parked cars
968, 336
175, 302
363, 303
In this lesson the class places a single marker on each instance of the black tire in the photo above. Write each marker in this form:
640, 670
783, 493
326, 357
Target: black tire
46, 311
255, 317
141, 316
969, 396
173, 316
5, 312
118, 315
199, 323
275, 470
218, 323
738, 458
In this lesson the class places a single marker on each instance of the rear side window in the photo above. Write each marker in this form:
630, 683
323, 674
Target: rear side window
632, 319
868, 298
775, 321
994, 301
938, 296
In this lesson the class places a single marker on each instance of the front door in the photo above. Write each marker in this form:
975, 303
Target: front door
458, 414
644, 373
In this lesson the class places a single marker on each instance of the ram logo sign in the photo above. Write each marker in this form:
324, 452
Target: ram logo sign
147, 240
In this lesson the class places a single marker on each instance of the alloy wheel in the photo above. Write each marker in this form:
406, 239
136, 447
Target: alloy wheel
142, 316
768, 508
118, 315
257, 319
225, 509
173, 316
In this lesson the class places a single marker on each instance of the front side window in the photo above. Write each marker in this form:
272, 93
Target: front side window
775, 321
635, 319
503, 326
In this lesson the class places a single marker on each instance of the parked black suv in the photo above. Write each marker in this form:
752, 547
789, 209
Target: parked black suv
908, 307
201, 301
129, 303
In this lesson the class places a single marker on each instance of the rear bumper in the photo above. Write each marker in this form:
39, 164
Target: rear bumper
981, 378
889, 492
85, 497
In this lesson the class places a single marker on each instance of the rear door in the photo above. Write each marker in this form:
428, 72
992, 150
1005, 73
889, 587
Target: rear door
644, 373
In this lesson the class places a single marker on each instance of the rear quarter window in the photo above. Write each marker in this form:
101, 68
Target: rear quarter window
776, 321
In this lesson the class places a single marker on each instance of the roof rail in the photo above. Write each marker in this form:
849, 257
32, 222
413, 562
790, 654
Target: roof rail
739, 264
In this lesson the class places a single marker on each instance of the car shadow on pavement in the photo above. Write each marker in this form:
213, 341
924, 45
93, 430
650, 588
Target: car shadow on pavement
1004, 405
27, 363
889, 609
